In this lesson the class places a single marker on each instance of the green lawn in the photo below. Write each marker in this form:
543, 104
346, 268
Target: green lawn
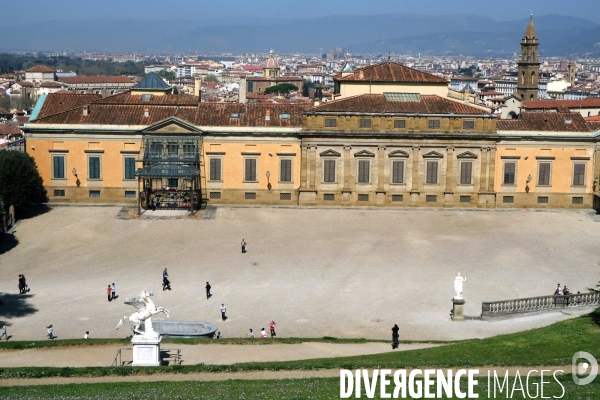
324, 388
552, 345
38, 344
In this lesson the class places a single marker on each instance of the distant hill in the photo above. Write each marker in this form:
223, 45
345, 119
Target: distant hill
466, 34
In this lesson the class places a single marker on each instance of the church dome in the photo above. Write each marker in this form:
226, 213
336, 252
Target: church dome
271, 62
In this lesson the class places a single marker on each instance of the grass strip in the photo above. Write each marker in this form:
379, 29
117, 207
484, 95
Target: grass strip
39, 344
551, 345
315, 388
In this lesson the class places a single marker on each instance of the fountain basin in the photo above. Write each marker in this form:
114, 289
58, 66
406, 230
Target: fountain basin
184, 329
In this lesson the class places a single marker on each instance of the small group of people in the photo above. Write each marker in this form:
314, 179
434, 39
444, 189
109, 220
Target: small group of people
562, 291
111, 291
263, 333
23, 288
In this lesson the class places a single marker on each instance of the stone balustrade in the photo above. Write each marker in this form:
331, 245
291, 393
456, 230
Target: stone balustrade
504, 308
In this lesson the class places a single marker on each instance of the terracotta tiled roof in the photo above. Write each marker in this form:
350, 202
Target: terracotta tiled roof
390, 72
25, 84
22, 120
9, 128
593, 119
377, 103
545, 122
552, 104
593, 125
40, 68
58, 102
167, 99
83, 79
51, 84
202, 114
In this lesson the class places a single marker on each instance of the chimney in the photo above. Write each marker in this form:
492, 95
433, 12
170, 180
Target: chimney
146, 112
316, 102
268, 115
86, 110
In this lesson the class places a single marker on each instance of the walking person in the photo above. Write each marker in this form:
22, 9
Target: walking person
243, 246
21, 284
208, 295
108, 292
395, 337
263, 334
272, 329
4, 332
86, 335
50, 332
223, 311
113, 291
251, 334
166, 282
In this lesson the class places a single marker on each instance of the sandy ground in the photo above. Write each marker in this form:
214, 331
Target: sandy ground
316, 272
251, 375
103, 356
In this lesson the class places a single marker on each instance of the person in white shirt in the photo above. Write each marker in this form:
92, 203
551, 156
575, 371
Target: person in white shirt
251, 334
263, 334
86, 334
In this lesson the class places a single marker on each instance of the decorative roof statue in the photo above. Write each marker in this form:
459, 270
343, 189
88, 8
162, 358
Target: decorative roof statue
146, 309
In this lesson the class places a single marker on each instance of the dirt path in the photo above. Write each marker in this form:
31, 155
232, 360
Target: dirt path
103, 356
252, 375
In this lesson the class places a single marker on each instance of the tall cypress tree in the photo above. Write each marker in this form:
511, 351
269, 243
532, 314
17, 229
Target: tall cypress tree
20, 182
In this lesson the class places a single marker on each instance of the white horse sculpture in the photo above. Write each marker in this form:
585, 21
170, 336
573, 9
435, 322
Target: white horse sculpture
147, 310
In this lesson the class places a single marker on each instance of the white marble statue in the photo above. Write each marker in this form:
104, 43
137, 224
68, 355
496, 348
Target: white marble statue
146, 310
458, 283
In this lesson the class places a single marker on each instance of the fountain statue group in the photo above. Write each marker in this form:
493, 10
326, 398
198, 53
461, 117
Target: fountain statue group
147, 309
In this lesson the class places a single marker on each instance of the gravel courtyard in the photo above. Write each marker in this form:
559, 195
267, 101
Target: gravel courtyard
316, 272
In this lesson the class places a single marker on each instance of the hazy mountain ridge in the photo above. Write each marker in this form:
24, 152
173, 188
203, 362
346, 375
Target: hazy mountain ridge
452, 34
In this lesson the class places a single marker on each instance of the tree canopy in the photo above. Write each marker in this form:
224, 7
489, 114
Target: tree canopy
211, 78
20, 182
283, 88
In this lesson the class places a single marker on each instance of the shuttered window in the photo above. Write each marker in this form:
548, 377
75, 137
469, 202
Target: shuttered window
433, 124
329, 171
363, 171
215, 169
330, 122
399, 123
398, 172
286, 171
579, 175
509, 173
544, 174
94, 167
58, 167
466, 169
129, 167
365, 123
250, 170
432, 172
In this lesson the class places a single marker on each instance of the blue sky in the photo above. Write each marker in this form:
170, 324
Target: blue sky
44, 10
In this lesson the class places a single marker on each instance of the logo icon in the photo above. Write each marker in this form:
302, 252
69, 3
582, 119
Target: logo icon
589, 366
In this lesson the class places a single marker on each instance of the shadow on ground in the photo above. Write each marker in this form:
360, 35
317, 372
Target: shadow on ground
8, 241
16, 305
33, 212
596, 316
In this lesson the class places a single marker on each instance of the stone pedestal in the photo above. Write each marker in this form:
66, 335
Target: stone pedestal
146, 351
457, 309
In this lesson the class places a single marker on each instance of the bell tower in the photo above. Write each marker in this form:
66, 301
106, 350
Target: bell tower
528, 65
571, 72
